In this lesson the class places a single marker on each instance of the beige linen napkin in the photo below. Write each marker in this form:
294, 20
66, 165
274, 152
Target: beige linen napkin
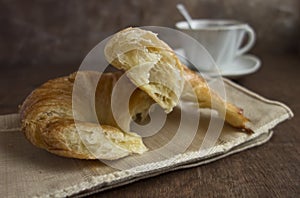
28, 171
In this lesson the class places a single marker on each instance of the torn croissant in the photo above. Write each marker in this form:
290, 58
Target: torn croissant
149, 63
163, 78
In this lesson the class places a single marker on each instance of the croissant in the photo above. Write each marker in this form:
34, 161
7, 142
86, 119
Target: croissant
154, 67
51, 120
47, 119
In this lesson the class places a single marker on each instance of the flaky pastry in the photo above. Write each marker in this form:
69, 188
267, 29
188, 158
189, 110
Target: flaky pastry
154, 67
47, 119
150, 64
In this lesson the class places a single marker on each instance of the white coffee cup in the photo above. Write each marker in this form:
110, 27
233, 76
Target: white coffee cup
223, 39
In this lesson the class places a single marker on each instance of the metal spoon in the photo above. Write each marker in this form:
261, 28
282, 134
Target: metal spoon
185, 14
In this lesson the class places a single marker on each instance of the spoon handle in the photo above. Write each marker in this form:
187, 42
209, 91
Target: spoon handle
185, 14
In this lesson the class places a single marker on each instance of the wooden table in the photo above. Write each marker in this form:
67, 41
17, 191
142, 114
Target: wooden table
270, 170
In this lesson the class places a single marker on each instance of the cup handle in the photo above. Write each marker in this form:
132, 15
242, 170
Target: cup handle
251, 40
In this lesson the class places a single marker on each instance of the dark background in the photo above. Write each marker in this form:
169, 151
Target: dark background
61, 32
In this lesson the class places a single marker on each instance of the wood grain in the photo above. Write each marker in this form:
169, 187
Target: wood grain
271, 170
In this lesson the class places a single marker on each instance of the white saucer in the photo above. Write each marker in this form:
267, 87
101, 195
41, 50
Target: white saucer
241, 66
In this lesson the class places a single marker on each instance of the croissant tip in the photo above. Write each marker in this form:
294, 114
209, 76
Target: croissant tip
248, 131
246, 126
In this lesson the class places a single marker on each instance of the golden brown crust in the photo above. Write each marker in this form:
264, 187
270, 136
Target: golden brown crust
47, 121
207, 98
